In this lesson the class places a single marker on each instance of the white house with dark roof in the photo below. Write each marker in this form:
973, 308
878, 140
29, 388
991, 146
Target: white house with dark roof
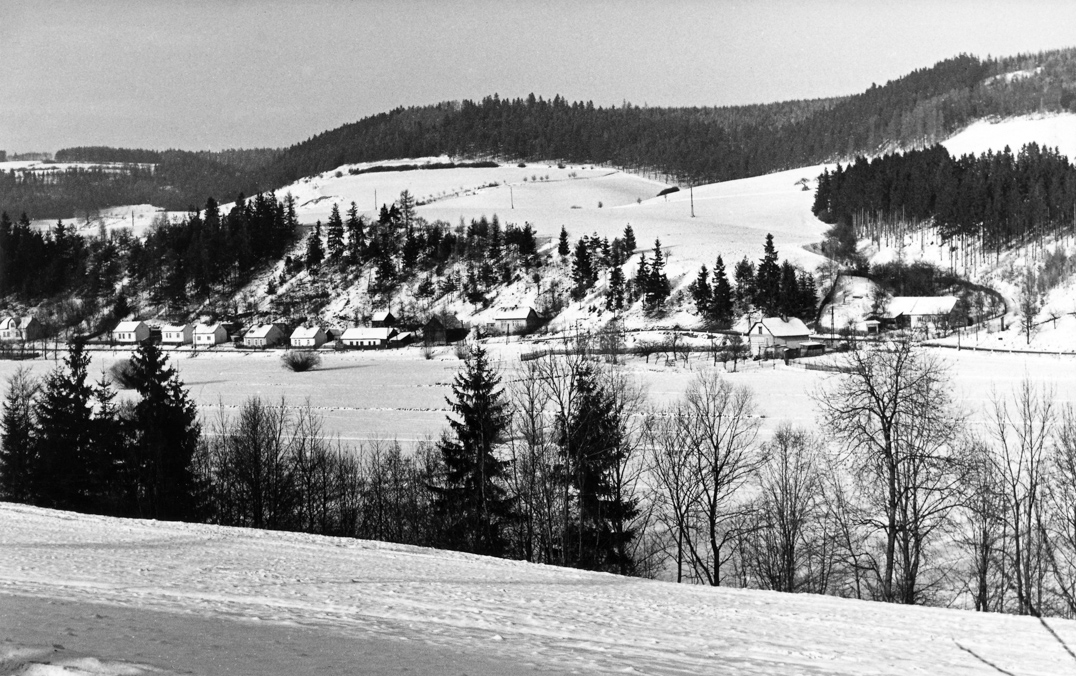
309, 336
520, 320
372, 337
774, 332
130, 333
208, 335
177, 334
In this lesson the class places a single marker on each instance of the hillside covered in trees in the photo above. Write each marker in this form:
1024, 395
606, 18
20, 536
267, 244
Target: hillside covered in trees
699, 144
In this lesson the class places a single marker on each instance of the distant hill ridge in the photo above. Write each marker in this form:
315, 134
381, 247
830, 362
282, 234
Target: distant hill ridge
697, 144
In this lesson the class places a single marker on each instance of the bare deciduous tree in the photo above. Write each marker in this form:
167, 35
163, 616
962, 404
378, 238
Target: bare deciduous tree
894, 415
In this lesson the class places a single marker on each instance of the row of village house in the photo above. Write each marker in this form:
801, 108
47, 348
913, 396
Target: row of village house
381, 333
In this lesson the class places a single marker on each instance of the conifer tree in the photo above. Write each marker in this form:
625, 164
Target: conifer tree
314, 251
614, 299
334, 234
472, 504
406, 206
18, 453
701, 292
591, 445
64, 420
166, 436
788, 299
768, 281
563, 248
629, 240
808, 300
356, 236
582, 270
642, 278
744, 274
657, 286
721, 302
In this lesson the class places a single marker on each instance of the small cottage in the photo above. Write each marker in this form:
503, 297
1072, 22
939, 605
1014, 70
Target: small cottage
919, 312
383, 318
21, 328
177, 334
433, 332
208, 335
130, 333
517, 320
775, 334
309, 336
373, 337
264, 335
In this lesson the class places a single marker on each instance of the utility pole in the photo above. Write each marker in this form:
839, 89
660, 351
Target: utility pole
512, 195
691, 191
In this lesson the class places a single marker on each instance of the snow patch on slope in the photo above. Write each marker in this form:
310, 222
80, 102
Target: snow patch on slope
1053, 131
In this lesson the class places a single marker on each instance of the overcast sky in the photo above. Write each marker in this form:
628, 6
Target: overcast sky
244, 73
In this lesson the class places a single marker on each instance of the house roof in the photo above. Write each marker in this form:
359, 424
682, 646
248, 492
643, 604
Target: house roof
174, 328
381, 315
364, 333
514, 314
920, 305
260, 331
127, 327
208, 328
24, 321
783, 328
306, 332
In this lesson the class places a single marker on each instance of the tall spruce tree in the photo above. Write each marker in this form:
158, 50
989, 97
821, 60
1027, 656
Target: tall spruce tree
356, 235
334, 234
563, 248
744, 275
629, 240
64, 439
701, 292
166, 436
721, 302
582, 270
768, 281
472, 504
592, 445
788, 299
18, 453
314, 251
657, 284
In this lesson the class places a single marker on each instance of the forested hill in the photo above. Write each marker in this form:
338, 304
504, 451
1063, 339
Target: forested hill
689, 144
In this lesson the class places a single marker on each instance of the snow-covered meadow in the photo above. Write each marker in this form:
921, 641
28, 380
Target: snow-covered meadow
114, 596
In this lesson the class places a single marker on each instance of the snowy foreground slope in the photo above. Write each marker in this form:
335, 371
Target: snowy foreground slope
83, 594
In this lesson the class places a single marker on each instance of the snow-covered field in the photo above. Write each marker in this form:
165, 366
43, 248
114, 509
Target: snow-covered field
1053, 131
112, 596
367, 396
731, 219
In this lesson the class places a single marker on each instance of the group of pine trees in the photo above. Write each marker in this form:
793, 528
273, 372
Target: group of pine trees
400, 246
66, 444
772, 289
593, 255
998, 199
480, 513
177, 259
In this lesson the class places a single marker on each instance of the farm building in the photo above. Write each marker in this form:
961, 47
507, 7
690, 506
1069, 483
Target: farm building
177, 334
21, 328
383, 318
518, 320
133, 333
308, 336
207, 335
774, 334
433, 331
373, 337
264, 335
919, 312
